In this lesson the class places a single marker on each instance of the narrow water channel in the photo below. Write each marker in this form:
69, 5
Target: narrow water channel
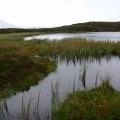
65, 79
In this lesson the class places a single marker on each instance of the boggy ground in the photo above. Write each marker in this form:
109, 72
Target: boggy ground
101, 103
20, 67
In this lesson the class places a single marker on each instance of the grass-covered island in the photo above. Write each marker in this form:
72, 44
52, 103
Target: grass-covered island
20, 67
101, 103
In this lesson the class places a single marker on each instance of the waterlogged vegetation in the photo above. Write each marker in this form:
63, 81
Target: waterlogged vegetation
25, 113
77, 48
20, 67
24, 63
101, 103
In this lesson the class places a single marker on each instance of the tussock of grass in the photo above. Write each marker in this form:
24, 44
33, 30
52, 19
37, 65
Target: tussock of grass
102, 103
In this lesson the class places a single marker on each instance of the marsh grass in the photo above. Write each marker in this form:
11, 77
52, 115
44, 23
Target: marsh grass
76, 49
96, 80
29, 111
26, 109
55, 99
3, 111
100, 103
82, 76
19, 72
30, 108
19, 66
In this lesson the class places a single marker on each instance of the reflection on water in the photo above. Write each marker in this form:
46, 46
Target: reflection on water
103, 36
83, 76
68, 77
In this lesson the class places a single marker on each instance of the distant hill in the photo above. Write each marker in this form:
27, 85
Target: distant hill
79, 27
91, 27
4, 24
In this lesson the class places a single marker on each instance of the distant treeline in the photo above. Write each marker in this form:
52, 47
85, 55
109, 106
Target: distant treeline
80, 27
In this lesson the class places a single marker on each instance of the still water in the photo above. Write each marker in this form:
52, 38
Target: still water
65, 79
102, 36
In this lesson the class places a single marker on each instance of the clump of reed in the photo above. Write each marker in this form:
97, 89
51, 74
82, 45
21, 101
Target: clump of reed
83, 75
77, 48
4, 110
55, 99
30, 108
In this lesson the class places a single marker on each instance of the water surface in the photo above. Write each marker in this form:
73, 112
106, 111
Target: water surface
67, 78
102, 36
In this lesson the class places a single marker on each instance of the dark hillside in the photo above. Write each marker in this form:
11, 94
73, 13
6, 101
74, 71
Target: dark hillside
80, 27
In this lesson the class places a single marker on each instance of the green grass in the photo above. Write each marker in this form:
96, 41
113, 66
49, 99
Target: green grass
101, 103
20, 68
76, 48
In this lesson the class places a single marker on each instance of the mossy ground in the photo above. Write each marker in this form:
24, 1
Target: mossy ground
20, 67
102, 103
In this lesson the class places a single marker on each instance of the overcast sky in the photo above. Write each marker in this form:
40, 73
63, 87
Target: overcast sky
50, 13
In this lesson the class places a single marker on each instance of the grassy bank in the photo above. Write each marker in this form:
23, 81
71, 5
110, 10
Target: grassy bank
19, 73
102, 103
70, 48
77, 48
20, 67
